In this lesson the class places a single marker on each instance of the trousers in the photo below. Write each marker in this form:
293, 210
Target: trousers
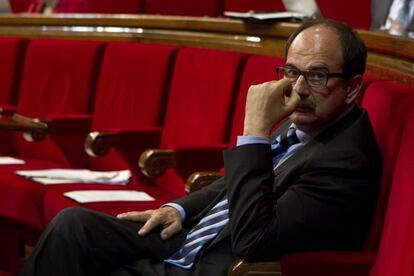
81, 241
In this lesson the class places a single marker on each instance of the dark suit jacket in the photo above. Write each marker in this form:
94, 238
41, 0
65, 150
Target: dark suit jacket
321, 198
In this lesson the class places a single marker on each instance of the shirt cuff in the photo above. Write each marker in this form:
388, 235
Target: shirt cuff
178, 207
246, 140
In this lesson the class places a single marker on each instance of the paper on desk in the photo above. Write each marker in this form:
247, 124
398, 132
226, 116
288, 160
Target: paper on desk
7, 160
88, 196
62, 176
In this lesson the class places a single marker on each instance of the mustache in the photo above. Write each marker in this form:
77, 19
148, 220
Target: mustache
306, 103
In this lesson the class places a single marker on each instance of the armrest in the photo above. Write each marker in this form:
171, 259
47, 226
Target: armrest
128, 143
242, 268
99, 143
153, 163
7, 110
21, 123
198, 180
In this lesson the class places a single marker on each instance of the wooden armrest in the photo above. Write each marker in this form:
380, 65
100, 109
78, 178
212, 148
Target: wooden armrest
198, 180
99, 143
154, 162
242, 268
129, 143
33, 129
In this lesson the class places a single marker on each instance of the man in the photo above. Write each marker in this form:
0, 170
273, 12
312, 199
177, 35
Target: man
314, 190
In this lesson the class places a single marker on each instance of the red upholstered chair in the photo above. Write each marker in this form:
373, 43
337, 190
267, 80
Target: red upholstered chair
388, 104
185, 7
345, 11
396, 252
57, 86
257, 5
201, 94
100, 6
129, 112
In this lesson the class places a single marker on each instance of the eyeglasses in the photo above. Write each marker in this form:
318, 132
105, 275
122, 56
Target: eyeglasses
313, 78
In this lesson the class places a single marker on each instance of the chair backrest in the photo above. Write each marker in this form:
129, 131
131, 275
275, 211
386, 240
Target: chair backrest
201, 98
132, 91
396, 252
100, 6
345, 11
200, 105
258, 69
59, 77
185, 7
11, 61
387, 104
257, 5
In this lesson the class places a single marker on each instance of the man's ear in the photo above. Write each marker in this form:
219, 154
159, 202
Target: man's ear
353, 88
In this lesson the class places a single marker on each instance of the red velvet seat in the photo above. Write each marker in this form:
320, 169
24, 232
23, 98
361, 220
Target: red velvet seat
201, 95
133, 86
100, 6
257, 5
396, 252
185, 7
388, 105
58, 81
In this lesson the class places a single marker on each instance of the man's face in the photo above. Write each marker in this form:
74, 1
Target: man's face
317, 48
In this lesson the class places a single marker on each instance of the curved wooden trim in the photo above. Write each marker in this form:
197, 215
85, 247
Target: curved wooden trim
389, 57
154, 162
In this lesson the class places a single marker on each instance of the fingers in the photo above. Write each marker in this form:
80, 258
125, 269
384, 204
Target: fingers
136, 216
167, 217
171, 230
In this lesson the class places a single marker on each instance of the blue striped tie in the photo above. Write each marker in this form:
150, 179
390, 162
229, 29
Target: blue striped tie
280, 146
206, 230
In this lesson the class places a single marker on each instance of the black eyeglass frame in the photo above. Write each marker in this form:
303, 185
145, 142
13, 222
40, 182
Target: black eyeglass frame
305, 72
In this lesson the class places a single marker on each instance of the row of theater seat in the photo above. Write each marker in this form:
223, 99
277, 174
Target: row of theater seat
339, 10
140, 96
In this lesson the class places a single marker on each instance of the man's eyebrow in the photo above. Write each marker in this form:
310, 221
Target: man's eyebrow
290, 65
319, 67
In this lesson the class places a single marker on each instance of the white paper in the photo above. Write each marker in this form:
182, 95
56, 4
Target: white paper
88, 196
7, 160
63, 176
265, 15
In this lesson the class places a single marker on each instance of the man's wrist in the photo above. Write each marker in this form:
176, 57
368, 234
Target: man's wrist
178, 207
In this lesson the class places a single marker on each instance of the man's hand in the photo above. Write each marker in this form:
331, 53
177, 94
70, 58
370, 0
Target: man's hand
166, 217
266, 104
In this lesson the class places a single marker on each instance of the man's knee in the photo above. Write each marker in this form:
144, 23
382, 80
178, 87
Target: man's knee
71, 219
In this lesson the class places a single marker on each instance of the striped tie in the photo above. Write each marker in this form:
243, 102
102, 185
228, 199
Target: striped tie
205, 231
280, 146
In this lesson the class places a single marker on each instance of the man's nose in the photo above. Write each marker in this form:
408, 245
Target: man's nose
301, 87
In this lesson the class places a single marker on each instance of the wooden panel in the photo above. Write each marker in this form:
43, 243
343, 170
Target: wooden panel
389, 57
